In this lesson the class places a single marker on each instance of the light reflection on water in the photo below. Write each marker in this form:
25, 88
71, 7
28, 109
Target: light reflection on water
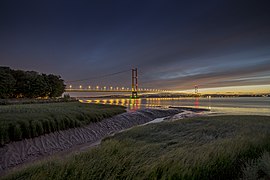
248, 106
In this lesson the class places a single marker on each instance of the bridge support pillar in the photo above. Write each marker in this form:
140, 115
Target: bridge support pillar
134, 85
196, 89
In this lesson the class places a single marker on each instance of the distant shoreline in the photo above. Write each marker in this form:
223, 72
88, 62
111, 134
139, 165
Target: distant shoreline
173, 96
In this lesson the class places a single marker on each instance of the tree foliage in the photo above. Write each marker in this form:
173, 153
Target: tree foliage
29, 84
7, 83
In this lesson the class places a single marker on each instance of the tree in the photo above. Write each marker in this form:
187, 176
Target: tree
22, 83
29, 84
56, 85
7, 83
36, 85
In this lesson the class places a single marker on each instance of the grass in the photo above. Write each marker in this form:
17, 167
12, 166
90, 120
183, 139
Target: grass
198, 148
35, 101
30, 120
257, 168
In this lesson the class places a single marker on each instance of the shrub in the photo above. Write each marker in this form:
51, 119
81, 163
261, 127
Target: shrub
46, 126
25, 128
53, 125
39, 128
4, 136
11, 131
17, 132
33, 128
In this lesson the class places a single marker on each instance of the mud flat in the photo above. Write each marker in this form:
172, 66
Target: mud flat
28, 150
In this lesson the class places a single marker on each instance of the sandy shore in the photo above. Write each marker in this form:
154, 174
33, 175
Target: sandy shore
75, 140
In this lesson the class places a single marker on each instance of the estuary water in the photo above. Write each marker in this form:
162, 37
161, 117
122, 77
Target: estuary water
235, 105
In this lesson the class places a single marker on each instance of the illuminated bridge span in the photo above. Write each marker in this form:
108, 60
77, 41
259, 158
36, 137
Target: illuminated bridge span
112, 90
134, 90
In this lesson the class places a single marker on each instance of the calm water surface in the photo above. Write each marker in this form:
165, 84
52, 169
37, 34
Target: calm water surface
241, 105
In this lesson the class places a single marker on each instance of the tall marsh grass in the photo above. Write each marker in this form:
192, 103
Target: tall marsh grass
30, 120
197, 148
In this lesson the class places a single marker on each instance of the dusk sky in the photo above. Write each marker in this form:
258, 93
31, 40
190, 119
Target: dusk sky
174, 44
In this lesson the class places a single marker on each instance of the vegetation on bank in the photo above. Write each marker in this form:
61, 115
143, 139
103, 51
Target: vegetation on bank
219, 147
65, 98
29, 84
257, 168
30, 120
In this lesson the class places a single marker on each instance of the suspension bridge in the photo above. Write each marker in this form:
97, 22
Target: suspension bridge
134, 89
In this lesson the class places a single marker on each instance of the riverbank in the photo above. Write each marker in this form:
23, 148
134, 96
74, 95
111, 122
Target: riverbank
216, 147
22, 121
28, 150
16, 101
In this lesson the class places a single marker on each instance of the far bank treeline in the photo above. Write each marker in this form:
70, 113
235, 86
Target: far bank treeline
29, 84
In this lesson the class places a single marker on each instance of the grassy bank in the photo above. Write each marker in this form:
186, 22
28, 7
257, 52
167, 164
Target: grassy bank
30, 120
17, 101
198, 148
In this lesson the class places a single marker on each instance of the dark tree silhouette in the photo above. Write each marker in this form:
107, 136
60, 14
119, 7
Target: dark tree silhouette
29, 84
7, 82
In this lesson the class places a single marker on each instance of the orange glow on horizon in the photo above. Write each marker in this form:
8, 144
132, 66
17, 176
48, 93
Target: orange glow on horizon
253, 89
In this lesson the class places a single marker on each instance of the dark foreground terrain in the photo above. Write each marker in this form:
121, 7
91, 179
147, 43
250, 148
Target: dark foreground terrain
17, 153
217, 147
20, 121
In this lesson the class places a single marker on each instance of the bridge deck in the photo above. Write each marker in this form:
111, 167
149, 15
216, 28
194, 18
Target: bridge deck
96, 90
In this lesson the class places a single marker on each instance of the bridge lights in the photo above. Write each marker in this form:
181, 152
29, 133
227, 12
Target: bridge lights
80, 86
97, 87
111, 88
70, 86
104, 87
123, 88
89, 87
117, 88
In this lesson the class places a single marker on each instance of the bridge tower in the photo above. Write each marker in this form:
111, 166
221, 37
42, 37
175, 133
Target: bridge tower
196, 89
134, 85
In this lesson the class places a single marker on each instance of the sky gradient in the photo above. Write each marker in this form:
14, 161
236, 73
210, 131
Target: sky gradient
174, 44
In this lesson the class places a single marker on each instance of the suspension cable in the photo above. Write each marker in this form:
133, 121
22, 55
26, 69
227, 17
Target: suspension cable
98, 77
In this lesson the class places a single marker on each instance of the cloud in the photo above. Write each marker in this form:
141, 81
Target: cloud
228, 77
174, 45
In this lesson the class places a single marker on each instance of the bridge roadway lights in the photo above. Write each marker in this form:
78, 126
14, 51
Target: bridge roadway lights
99, 90
134, 95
